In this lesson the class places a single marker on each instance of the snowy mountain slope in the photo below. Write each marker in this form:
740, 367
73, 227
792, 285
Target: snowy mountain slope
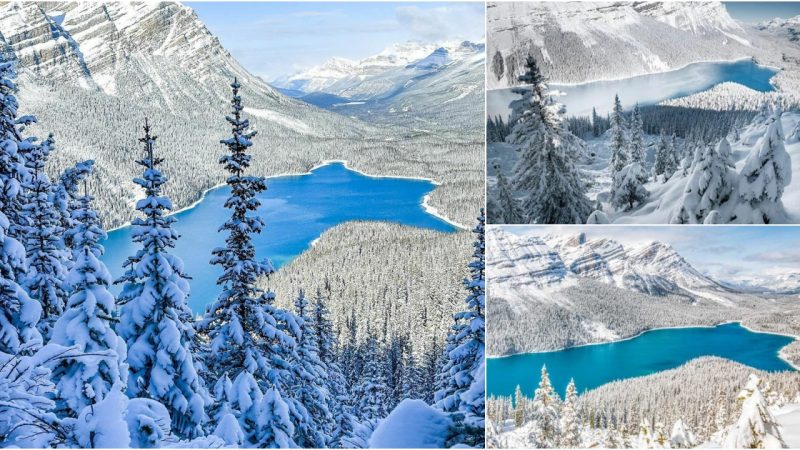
345, 71
118, 63
583, 41
655, 268
523, 261
439, 92
665, 196
430, 88
788, 28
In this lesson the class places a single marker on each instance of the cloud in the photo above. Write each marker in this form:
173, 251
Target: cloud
441, 23
778, 257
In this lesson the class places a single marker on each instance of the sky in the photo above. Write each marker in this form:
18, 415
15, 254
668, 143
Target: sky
727, 253
277, 39
752, 12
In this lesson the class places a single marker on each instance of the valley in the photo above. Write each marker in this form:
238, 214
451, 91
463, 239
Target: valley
642, 341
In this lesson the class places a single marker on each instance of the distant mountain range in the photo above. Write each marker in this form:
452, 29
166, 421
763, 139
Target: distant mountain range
426, 86
549, 261
790, 28
364, 79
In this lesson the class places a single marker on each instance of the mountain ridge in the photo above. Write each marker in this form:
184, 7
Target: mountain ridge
654, 268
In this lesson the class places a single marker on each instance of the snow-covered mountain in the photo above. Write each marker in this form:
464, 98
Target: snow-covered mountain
781, 284
790, 28
347, 78
655, 268
120, 62
427, 87
583, 41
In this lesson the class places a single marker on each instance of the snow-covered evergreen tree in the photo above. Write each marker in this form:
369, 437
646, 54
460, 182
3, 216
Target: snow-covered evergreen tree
544, 413
570, 426
13, 150
310, 389
519, 407
710, 185
765, 174
19, 315
619, 156
66, 200
154, 306
248, 334
43, 241
636, 150
555, 192
629, 189
371, 394
664, 166
507, 206
595, 123
87, 324
338, 399
546, 171
464, 392
756, 427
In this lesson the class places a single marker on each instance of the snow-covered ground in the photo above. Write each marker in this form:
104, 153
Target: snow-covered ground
664, 197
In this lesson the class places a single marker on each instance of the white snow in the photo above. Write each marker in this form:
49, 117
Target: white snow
280, 119
412, 424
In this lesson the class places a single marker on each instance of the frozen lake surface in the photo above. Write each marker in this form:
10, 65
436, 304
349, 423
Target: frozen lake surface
297, 210
645, 89
594, 365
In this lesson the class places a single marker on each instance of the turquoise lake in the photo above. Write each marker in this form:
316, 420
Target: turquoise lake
594, 365
297, 210
645, 89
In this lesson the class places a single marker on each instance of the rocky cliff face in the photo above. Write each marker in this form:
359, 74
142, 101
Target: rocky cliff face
91, 72
536, 262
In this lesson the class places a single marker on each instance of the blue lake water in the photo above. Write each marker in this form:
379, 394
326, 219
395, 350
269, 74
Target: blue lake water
594, 365
646, 89
297, 210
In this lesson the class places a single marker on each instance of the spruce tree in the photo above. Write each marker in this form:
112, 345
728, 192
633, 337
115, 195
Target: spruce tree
544, 413
555, 192
519, 408
371, 394
13, 150
338, 399
86, 324
636, 150
570, 436
629, 189
766, 172
46, 272
664, 159
619, 156
309, 389
154, 306
248, 334
508, 206
710, 185
19, 314
546, 171
66, 200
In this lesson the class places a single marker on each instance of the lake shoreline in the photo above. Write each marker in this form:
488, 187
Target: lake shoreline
424, 203
600, 80
727, 322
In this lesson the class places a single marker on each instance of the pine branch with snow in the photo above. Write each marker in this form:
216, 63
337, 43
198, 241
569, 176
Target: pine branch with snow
154, 309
